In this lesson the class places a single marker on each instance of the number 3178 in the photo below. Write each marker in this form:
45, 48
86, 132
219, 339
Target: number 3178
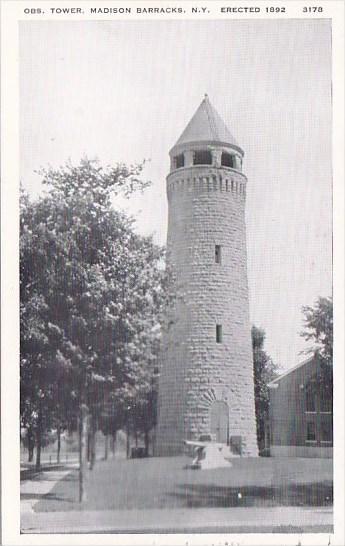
312, 9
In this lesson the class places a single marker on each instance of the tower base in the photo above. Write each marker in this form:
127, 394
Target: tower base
171, 447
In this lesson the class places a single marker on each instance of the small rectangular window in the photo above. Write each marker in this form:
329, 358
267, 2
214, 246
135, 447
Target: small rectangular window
218, 254
219, 333
179, 161
311, 431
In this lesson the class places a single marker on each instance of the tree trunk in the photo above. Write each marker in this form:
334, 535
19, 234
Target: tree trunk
105, 447
136, 438
147, 442
58, 431
88, 447
31, 454
127, 443
38, 450
39, 438
92, 442
113, 443
31, 445
83, 434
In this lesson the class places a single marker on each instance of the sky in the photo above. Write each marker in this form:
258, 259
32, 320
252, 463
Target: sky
123, 91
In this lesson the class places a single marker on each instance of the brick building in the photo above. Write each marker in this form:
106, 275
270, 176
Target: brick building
206, 380
301, 413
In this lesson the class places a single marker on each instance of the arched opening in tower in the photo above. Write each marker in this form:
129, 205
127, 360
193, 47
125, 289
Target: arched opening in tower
202, 157
219, 421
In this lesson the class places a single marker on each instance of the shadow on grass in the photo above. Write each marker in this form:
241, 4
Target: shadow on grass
155, 484
31, 473
212, 496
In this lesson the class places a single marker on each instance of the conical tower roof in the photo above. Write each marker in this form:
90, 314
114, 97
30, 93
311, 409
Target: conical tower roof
206, 126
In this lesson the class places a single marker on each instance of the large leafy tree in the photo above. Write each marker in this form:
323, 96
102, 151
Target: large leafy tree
318, 332
92, 291
318, 328
264, 371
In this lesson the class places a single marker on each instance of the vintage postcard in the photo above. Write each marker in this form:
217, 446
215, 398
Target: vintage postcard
172, 272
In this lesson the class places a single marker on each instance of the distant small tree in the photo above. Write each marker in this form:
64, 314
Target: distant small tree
264, 371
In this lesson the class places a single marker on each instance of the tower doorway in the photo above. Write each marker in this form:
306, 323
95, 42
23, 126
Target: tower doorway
219, 419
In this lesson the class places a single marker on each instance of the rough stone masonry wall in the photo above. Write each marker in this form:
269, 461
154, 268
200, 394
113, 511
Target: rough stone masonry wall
206, 207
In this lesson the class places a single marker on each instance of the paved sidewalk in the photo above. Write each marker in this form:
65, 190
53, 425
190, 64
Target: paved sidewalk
32, 490
212, 520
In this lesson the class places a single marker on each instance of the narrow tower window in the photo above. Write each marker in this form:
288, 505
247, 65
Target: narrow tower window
218, 254
219, 333
228, 160
179, 161
202, 157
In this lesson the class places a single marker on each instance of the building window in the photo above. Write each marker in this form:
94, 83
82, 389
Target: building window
228, 160
202, 157
326, 430
326, 398
310, 404
218, 254
311, 431
219, 333
179, 161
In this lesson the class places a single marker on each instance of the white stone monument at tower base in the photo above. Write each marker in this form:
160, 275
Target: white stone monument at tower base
206, 382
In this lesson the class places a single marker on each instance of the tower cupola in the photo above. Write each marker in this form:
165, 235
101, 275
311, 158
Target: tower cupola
206, 141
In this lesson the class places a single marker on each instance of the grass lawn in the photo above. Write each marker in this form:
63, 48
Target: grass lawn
167, 483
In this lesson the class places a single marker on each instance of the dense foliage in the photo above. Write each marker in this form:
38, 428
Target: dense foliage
92, 293
318, 329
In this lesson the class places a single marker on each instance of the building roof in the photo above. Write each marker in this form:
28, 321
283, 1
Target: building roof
206, 126
275, 381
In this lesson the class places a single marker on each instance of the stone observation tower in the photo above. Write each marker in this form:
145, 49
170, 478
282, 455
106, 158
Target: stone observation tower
206, 381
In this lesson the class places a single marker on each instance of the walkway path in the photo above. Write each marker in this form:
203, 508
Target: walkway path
32, 491
212, 520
